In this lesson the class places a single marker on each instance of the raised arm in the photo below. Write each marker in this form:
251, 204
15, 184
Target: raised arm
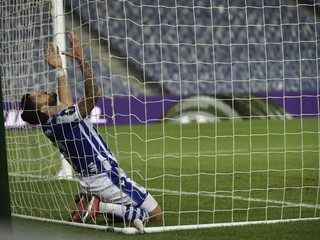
54, 60
91, 90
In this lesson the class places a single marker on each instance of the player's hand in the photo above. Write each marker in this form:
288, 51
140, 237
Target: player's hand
52, 55
77, 51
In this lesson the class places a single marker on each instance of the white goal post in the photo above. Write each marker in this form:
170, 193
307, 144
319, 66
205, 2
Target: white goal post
211, 105
59, 29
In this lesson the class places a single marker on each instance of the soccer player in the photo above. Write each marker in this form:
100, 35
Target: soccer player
106, 187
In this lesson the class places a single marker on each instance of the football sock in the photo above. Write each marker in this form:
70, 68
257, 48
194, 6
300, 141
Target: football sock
129, 213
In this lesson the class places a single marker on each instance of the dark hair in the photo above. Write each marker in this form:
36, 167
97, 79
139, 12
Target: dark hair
30, 113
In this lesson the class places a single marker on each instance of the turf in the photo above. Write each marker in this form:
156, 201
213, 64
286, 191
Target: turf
35, 230
226, 172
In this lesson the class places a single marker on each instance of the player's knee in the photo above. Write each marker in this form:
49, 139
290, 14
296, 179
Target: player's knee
156, 214
157, 217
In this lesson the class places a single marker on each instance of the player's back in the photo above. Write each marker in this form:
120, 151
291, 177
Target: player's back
80, 142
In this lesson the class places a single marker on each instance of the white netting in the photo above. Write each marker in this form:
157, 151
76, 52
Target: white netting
163, 64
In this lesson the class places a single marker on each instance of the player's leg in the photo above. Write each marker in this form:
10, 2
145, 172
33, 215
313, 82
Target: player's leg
148, 211
152, 207
128, 212
155, 214
122, 197
127, 200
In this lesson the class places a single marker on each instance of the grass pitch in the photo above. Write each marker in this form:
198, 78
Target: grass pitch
226, 172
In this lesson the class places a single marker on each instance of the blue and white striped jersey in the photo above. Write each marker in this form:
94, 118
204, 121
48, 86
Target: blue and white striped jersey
79, 142
85, 149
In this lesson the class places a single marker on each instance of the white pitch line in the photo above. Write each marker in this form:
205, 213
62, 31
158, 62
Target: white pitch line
284, 203
290, 204
128, 155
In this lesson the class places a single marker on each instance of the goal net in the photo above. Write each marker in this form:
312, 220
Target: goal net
213, 106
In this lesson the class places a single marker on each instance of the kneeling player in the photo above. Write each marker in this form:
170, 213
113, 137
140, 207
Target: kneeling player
107, 188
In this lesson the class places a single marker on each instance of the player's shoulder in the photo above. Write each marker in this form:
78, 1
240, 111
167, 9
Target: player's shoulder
68, 114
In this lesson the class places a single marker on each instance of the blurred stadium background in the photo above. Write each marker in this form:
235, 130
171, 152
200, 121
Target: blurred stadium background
199, 47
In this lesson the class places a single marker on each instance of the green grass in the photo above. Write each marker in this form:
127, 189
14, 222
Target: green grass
35, 230
211, 173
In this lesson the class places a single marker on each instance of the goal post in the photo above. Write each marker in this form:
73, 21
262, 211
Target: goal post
59, 30
213, 106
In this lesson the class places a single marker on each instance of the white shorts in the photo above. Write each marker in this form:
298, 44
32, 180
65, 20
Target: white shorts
121, 190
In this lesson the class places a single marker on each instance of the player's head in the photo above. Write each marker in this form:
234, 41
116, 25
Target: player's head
32, 106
